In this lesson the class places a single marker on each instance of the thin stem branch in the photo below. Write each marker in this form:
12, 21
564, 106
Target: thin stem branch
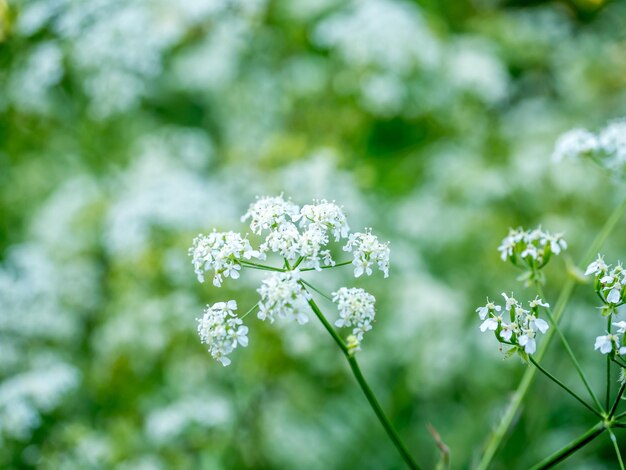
617, 400
250, 264
369, 394
251, 310
621, 415
311, 286
564, 387
608, 367
500, 431
572, 447
337, 265
570, 352
617, 452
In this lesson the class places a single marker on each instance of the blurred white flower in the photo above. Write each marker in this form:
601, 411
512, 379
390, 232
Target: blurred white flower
605, 343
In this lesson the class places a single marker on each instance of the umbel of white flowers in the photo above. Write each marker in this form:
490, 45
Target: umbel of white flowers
511, 324
610, 286
303, 238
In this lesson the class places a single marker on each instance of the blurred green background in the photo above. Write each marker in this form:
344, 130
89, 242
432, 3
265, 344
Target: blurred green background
127, 127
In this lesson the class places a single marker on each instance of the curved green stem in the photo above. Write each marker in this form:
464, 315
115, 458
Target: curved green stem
498, 434
369, 394
564, 387
617, 400
572, 447
617, 452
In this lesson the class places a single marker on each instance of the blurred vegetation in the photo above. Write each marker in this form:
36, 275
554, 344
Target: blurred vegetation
128, 127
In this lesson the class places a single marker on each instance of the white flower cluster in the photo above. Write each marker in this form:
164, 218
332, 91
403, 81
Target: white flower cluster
222, 330
609, 282
283, 296
356, 309
523, 327
610, 342
300, 235
367, 250
608, 146
531, 248
221, 252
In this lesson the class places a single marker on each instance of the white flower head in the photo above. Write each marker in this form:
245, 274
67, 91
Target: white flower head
356, 309
367, 251
605, 343
269, 213
597, 267
326, 216
537, 302
621, 326
221, 330
574, 144
486, 309
221, 252
531, 248
283, 297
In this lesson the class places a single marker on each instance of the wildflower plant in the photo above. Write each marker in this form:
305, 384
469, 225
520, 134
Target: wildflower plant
301, 239
518, 329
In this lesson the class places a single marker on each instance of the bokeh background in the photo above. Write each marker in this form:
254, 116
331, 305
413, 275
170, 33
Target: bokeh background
127, 127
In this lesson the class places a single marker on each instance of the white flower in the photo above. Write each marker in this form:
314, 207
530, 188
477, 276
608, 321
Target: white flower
507, 331
282, 296
575, 143
527, 341
614, 295
537, 324
537, 302
356, 309
532, 247
605, 343
621, 326
284, 240
490, 324
367, 251
221, 252
222, 330
510, 301
325, 216
622, 350
269, 213
485, 310
597, 267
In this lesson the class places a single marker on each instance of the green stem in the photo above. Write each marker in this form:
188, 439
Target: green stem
337, 265
251, 310
327, 297
369, 394
608, 367
250, 264
617, 452
498, 434
570, 352
564, 387
572, 447
617, 400
621, 415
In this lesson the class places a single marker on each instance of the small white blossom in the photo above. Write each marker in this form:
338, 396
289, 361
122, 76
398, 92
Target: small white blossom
605, 343
221, 252
597, 267
488, 308
282, 296
490, 324
269, 213
527, 341
356, 309
537, 302
221, 330
367, 251
621, 326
